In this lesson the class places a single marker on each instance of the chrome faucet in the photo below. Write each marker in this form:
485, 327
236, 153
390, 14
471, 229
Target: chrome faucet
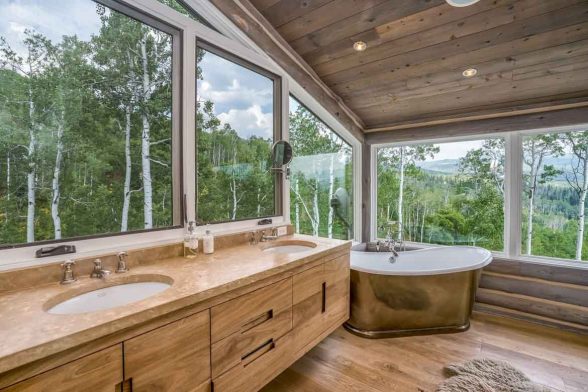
99, 272
273, 236
122, 263
68, 273
394, 256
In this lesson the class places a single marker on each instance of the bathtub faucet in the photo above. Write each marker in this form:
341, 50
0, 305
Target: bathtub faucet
394, 256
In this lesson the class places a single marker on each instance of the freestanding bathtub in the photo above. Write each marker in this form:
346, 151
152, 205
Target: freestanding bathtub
424, 291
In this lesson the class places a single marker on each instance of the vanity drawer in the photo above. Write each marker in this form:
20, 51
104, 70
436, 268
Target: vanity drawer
251, 311
243, 345
266, 363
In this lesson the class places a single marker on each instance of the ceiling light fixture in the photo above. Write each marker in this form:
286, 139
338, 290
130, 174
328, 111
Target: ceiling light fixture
470, 72
461, 3
360, 46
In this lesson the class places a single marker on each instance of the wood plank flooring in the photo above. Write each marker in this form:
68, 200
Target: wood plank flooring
346, 363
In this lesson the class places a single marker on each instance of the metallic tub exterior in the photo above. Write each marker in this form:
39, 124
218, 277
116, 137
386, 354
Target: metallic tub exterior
384, 306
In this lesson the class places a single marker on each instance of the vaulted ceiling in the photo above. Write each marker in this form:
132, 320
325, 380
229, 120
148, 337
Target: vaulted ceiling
528, 53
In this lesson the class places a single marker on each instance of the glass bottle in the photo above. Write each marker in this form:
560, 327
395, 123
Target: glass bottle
191, 242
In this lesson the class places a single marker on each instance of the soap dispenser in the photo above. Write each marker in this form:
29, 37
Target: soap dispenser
208, 241
191, 242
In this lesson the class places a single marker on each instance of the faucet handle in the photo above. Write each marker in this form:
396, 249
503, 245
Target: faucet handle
68, 273
122, 262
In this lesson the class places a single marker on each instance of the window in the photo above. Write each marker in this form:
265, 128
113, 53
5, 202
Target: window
555, 184
237, 122
85, 122
443, 193
321, 190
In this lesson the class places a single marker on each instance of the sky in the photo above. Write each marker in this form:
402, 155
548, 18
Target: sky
52, 18
242, 98
456, 150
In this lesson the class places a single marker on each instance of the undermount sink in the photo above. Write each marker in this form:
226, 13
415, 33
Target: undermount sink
109, 297
287, 247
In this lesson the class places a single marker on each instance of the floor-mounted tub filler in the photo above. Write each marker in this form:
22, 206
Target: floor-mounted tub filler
419, 292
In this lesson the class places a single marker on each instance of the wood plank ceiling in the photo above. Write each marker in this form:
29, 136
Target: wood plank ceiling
529, 54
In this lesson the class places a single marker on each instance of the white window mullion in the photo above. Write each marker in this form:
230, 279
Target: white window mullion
512, 194
189, 123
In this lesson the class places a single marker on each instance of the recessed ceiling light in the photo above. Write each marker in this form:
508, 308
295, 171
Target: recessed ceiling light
360, 46
461, 3
470, 72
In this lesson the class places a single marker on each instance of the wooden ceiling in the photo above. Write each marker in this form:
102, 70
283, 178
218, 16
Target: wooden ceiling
529, 54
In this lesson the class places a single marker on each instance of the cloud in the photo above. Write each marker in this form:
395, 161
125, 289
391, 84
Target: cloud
242, 98
54, 19
249, 122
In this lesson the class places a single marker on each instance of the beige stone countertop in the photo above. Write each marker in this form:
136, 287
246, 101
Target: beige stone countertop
29, 333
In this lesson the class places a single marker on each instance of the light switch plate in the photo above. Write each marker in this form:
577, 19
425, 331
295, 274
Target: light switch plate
283, 230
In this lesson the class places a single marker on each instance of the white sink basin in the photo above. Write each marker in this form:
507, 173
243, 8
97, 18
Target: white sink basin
287, 247
108, 297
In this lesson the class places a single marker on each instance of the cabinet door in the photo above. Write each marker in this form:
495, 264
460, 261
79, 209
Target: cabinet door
175, 357
336, 291
98, 372
308, 305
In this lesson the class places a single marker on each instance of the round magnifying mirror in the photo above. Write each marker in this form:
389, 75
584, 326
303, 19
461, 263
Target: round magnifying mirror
281, 153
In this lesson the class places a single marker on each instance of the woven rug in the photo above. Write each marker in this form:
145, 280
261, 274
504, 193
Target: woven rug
487, 375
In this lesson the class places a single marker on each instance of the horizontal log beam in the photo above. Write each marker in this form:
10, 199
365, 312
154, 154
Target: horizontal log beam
559, 115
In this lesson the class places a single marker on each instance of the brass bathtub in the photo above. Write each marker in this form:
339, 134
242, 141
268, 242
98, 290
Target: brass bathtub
387, 305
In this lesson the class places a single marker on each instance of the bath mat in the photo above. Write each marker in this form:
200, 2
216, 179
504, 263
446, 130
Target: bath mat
487, 375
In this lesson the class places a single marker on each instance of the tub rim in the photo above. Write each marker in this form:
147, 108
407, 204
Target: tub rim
446, 270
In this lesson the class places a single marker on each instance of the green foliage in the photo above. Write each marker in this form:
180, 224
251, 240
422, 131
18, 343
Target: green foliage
82, 88
322, 164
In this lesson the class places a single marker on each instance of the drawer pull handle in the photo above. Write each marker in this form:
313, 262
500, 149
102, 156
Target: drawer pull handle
258, 352
324, 299
262, 318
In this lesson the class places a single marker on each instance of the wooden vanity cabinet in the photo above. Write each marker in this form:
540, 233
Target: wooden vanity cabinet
98, 372
175, 357
238, 345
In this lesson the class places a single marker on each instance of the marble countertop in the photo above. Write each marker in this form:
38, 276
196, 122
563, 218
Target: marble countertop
29, 333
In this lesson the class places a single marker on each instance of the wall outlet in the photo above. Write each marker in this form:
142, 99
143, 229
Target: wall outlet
283, 230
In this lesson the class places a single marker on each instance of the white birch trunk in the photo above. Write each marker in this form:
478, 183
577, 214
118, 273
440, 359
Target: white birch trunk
582, 209
146, 141
55, 183
535, 166
297, 206
32, 172
315, 209
234, 184
234, 194
8, 176
124, 225
330, 217
401, 194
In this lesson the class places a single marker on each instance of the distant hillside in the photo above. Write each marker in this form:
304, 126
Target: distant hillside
451, 166
442, 166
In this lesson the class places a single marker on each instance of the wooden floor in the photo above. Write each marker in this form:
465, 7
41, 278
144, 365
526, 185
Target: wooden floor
344, 362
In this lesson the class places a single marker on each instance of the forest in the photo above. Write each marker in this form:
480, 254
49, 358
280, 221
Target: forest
321, 170
85, 132
460, 201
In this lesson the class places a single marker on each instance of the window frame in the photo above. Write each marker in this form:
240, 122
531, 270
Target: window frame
513, 179
276, 119
176, 131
